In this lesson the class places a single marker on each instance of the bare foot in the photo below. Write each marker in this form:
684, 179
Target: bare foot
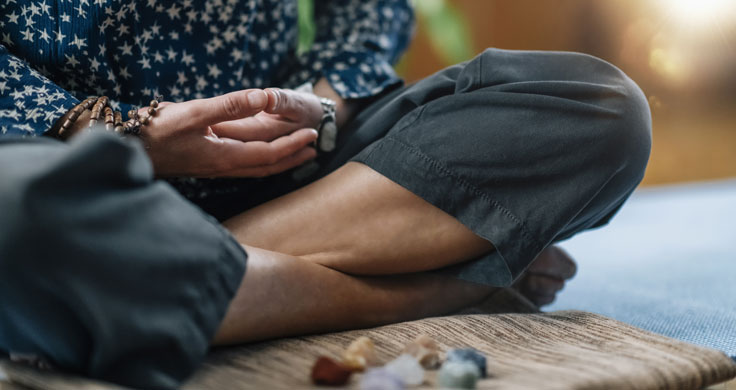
546, 276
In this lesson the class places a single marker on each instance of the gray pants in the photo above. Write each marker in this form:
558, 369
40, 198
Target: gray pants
107, 272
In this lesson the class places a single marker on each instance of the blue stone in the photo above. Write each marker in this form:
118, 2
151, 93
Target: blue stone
458, 375
469, 355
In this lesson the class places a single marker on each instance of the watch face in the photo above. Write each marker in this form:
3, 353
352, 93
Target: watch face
328, 135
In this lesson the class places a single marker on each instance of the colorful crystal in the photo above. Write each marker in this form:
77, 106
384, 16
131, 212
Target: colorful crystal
458, 375
329, 372
408, 369
425, 350
380, 379
470, 355
360, 354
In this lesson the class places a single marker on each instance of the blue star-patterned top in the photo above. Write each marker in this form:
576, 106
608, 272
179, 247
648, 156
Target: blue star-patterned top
53, 53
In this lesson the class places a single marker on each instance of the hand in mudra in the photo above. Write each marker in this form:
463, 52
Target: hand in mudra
250, 133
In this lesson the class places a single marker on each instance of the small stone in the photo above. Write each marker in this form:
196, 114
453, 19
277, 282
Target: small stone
360, 354
425, 350
380, 379
328, 372
408, 369
470, 355
458, 375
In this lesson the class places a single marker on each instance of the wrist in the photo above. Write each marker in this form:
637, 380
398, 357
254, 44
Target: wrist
327, 125
345, 108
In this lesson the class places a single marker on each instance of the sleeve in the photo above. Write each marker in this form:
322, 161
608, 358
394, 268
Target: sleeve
29, 102
356, 43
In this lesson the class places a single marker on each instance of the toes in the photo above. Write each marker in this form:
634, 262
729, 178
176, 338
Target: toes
541, 300
567, 266
553, 262
544, 285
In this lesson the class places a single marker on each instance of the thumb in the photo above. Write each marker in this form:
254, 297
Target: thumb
293, 105
227, 107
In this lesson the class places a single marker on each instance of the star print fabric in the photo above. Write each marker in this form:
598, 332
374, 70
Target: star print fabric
54, 53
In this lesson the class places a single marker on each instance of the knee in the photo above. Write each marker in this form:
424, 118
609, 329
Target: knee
627, 134
614, 107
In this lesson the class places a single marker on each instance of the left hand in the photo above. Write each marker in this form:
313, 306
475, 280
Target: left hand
287, 111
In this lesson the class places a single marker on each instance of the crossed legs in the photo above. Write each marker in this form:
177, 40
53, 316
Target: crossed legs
530, 147
347, 251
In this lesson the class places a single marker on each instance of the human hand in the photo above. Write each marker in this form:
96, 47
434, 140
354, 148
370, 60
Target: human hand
285, 112
220, 137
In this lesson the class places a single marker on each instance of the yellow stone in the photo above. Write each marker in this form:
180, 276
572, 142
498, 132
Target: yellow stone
425, 350
360, 354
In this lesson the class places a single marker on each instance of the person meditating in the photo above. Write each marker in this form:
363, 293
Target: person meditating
137, 232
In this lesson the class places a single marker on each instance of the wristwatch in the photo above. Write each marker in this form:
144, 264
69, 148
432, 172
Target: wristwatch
327, 139
327, 129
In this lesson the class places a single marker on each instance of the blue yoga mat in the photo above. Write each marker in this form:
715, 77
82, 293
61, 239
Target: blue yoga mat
666, 263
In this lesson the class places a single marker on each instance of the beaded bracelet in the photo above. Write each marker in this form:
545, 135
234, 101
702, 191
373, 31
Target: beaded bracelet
113, 119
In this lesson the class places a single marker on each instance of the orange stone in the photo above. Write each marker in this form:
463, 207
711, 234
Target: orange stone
328, 372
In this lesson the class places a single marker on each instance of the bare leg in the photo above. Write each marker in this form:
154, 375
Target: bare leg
355, 221
282, 295
359, 222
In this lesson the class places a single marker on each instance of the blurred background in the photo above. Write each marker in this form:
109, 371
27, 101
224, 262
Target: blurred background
681, 52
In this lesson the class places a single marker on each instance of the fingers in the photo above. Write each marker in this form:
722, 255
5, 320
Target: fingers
261, 127
228, 107
285, 164
258, 159
297, 106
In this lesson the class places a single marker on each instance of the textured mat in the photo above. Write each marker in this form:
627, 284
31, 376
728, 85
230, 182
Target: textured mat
562, 350
666, 263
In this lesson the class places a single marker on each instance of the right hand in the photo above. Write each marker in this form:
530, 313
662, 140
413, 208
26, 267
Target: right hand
181, 142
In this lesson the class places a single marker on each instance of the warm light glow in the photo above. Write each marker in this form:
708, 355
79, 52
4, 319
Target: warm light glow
697, 13
669, 63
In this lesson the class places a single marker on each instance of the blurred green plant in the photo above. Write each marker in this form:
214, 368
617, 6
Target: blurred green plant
447, 29
307, 28
445, 25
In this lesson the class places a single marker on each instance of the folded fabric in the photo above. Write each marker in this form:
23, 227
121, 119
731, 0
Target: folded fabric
560, 350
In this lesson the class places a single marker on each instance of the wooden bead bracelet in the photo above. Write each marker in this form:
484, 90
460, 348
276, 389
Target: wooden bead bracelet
100, 107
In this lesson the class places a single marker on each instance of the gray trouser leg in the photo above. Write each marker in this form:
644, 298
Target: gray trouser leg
103, 270
524, 148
